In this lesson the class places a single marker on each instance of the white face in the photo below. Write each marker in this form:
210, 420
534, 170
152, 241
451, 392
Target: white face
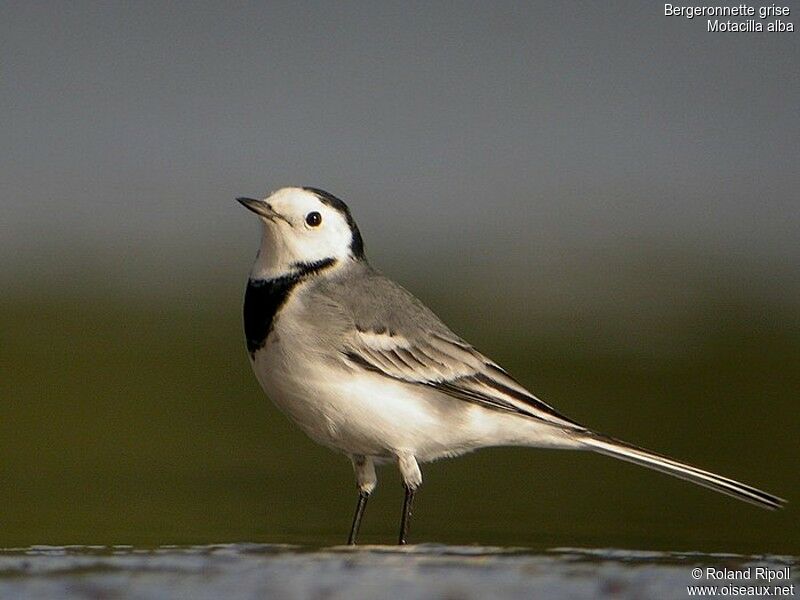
299, 229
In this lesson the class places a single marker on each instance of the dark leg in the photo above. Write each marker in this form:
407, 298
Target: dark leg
405, 520
365, 480
362, 504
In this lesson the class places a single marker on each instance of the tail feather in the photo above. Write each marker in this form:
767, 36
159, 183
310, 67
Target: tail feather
628, 452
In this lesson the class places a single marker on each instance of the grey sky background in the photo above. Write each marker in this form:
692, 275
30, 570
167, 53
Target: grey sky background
453, 129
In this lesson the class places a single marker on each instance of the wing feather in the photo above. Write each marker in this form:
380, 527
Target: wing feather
451, 366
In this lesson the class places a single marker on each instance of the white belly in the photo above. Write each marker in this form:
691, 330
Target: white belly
356, 414
361, 412
365, 413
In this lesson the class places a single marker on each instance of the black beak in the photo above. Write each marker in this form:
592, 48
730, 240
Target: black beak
260, 207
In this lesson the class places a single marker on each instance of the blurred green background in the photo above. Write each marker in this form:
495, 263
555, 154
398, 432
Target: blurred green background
139, 421
601, 198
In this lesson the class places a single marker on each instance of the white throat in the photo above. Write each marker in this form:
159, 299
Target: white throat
273, 259
277, 259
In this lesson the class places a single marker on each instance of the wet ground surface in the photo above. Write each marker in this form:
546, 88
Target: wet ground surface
234, 571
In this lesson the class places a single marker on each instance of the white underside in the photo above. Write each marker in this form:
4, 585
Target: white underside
363, 413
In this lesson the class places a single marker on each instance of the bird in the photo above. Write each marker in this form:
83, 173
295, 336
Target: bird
365, 368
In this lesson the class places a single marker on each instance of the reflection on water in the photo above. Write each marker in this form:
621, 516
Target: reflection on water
424, 571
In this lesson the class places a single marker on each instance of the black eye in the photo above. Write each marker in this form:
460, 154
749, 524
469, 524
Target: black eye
313, 219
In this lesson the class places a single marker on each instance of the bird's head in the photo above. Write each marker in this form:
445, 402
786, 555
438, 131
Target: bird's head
303, 226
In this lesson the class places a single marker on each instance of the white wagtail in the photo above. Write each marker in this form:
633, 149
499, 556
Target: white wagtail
365, 368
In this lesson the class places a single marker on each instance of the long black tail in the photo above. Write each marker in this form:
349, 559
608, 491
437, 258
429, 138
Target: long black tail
624, 451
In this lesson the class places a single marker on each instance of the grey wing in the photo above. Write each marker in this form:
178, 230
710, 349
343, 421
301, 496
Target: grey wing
396, 336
